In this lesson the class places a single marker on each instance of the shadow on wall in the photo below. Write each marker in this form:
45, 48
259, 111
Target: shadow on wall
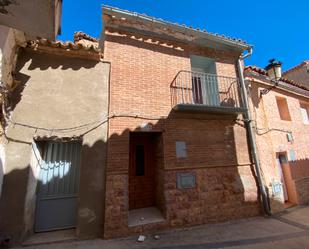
52, 61
221, 191
255, 95
12, 205
36, 62
41, 197
155, 45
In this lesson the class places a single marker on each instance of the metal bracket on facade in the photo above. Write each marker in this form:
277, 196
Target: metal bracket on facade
266, 90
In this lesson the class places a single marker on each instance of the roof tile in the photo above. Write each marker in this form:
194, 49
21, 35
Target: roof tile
64, 45
264, 73
223, 37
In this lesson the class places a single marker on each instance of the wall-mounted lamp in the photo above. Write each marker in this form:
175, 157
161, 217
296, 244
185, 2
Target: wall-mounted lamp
274, 73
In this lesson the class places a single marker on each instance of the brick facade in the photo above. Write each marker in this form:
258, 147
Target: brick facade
142, 69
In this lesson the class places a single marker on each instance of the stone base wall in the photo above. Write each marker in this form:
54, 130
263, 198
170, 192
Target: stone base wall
220, 194
216, 154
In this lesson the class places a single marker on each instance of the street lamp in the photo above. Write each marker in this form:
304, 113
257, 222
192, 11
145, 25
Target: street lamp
274, 72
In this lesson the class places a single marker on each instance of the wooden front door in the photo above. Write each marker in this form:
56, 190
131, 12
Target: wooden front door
141, 171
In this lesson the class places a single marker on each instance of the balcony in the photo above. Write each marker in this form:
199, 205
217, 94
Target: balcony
208, 93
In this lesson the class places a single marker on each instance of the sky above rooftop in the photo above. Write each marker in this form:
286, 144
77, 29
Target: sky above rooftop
276, 29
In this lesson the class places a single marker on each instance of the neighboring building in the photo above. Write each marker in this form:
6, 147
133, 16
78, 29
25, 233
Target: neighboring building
34, 18
21, 21
149, 131
299, 73
55, 141
280, 117
177, 146
16, 28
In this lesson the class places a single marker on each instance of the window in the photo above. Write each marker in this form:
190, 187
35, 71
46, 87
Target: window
304, 110
283, 108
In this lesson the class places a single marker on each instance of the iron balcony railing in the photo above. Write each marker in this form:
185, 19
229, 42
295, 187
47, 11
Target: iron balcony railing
203, 89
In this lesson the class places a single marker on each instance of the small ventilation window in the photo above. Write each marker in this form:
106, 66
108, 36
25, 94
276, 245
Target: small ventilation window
283, 108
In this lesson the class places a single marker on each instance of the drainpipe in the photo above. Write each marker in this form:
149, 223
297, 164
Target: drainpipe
252, 142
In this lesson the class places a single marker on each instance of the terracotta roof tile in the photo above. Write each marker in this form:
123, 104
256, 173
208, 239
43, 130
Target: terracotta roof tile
306, 62
79, 35
222, 37
263, 72
63, 45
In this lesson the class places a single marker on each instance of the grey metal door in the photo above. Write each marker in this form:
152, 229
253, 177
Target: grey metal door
58, 186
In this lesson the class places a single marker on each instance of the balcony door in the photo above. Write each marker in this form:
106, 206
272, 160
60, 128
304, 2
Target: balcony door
205, 88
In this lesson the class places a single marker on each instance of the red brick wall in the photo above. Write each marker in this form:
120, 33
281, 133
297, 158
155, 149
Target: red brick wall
142, 70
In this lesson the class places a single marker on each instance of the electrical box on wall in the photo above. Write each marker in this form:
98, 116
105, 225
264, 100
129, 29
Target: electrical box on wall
277, 189
186, 180
181, 149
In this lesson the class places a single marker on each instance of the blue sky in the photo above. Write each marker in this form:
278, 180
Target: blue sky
276, 29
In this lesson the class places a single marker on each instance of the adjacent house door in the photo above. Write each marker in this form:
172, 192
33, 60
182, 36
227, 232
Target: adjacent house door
141, 171
58, 186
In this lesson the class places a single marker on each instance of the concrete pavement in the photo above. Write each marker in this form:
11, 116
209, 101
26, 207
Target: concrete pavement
287, 230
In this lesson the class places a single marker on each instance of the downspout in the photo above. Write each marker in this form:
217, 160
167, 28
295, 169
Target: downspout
252, 142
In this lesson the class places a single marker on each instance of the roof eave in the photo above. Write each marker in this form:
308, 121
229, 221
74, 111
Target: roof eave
281, 85
228, 42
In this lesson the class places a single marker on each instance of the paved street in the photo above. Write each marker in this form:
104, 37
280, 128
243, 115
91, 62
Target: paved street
287, 230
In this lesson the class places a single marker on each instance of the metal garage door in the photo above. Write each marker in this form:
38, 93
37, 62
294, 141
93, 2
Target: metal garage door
58, 186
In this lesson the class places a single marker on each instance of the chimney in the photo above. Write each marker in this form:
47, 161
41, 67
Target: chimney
274, 70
